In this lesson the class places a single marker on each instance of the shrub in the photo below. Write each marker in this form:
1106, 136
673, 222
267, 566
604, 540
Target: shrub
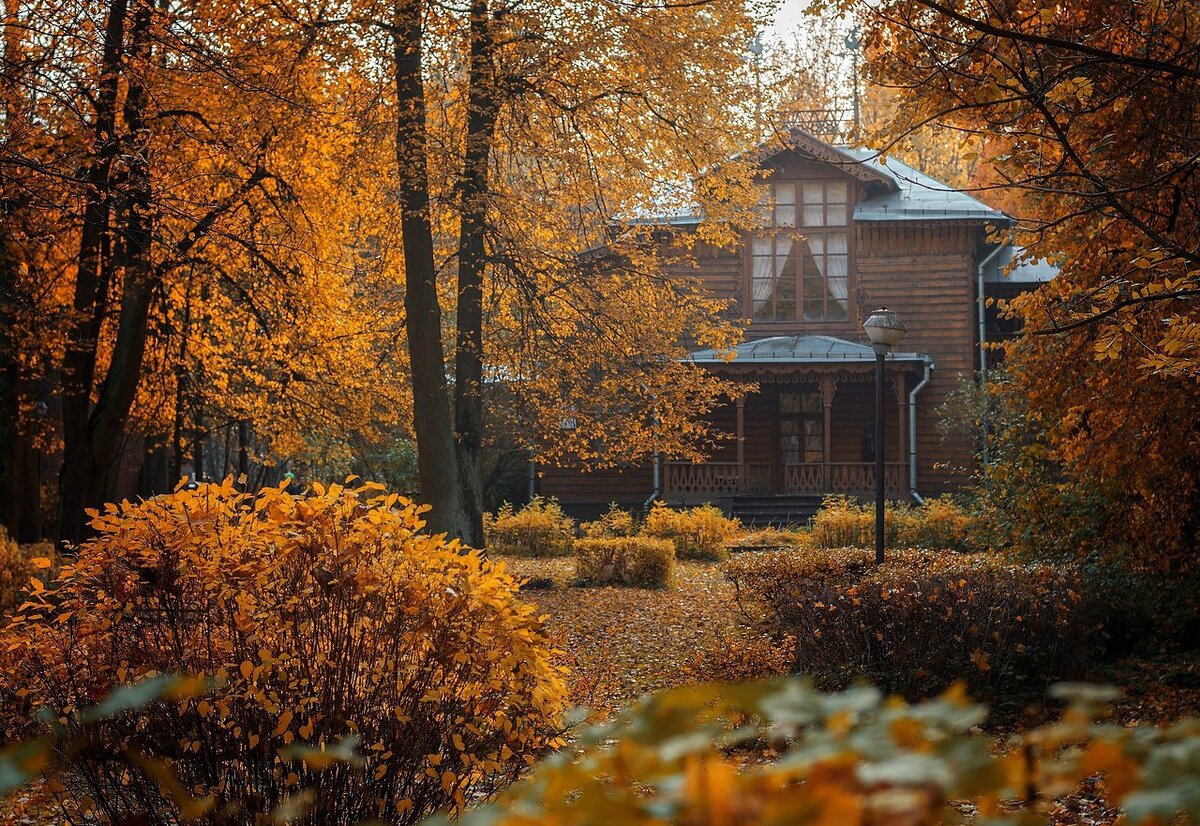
921, 620
736, 660
20, 563
615, 522
938, 524
696, 753
941, 524
15, 570
770, 539
538, 529
698, 533
625, 560
844, 523
318, 618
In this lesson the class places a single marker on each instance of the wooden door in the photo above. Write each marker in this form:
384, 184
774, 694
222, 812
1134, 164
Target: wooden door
801, 432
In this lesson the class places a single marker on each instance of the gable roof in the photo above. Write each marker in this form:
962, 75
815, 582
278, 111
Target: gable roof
797, 350
918, 197
1001, 269
895, 190
797, 140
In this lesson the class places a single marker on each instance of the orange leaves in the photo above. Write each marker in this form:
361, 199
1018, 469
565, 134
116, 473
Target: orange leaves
281, 727
320, 616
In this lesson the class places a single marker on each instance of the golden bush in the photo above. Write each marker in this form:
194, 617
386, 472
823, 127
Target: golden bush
698, 533
624, 560
614, 522
938, 524
19, 564
317, 618
771, 538
15, 570
538, 529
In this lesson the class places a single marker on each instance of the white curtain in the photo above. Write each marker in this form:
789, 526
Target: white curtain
836, 264
766, 274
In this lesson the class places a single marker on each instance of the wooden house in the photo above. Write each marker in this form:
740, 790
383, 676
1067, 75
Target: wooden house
867, 234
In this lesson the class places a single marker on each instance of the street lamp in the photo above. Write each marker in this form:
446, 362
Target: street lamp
885, 329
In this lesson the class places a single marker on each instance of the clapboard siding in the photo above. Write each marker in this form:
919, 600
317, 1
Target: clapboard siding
924, 272
922, 269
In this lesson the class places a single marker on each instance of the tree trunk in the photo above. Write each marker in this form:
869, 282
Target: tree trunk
92, 436
437, 460
468, 354
243, 460
91, 291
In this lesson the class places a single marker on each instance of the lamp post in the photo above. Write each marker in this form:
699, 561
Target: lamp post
885, 329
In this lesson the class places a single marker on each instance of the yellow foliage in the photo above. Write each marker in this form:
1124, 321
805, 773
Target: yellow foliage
624, 560
317, 618
538, 529
777, 752
698, 533
18, 565
938, 524
615, 522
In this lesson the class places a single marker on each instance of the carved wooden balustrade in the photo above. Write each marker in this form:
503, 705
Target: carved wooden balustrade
687, 480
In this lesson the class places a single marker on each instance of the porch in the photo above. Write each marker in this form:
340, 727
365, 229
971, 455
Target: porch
711, 480
808, 427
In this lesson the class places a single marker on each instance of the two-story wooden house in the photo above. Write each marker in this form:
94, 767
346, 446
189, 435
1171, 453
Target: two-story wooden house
843, 234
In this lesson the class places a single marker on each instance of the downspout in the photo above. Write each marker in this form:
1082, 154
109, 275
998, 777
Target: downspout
983, 330
654, 494
657, 492
912, 429
987, 259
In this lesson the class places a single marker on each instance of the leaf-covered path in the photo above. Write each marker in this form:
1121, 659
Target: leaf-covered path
623, 642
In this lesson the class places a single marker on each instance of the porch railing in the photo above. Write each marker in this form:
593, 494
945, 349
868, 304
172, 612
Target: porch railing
729, 478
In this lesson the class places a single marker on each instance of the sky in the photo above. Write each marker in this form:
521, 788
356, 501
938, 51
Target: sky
787, 17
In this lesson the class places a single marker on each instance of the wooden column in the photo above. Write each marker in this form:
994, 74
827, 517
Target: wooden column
900, 384
741, 443
828, 387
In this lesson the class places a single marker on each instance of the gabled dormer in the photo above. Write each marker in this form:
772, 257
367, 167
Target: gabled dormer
799, 267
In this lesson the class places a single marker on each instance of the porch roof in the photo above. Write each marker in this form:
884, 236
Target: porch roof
798, 350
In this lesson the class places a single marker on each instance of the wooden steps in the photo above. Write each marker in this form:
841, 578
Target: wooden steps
777, 510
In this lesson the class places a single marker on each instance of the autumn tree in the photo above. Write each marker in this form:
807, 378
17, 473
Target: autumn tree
225, 258
1089, 111
177, 264
527, 135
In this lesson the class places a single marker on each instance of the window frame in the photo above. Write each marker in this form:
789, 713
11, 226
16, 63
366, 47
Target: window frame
772, 232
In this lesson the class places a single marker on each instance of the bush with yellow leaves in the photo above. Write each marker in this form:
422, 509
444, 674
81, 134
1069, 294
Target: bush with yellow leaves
920, 620
938, 524
15, 570
538, 529
614, 522
624, 560
18, 565
855, 758
319, 620
698, 533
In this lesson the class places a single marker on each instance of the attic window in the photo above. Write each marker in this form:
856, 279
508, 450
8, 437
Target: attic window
800, 260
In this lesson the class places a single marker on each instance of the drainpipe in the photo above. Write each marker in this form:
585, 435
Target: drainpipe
654, 494
987, 259
983, 333
912, 430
